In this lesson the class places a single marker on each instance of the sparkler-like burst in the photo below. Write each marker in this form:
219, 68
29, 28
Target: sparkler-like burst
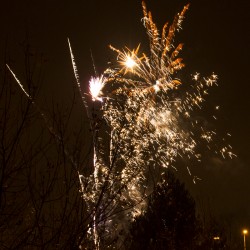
96, 85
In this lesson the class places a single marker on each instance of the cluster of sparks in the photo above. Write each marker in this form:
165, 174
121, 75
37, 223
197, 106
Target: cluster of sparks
146, 118
150, 124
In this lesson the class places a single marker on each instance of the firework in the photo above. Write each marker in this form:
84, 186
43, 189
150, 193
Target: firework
96, 85
150, 121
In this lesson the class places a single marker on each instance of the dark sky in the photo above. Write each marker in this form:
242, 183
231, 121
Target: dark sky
216, 37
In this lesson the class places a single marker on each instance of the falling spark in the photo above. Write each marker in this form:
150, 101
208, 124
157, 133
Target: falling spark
19, 83
195, 178
78, 79
74, 65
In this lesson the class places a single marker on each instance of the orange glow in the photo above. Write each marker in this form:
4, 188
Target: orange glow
245, 231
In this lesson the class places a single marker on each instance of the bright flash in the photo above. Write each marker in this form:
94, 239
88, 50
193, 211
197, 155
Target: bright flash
156, 86
130, 63
95, 87
128, 59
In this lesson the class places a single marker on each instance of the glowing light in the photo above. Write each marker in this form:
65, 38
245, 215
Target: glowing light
128, 59
245, 231
95, 87
130, 63
156, 86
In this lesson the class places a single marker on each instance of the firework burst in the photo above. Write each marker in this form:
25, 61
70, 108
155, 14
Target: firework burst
96, 85
150, 121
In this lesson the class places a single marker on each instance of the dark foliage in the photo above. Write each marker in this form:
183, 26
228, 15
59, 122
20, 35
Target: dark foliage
170, 219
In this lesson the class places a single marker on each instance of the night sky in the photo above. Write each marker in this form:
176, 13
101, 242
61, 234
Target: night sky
216, 37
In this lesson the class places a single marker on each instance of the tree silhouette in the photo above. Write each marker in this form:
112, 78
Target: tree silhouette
169, 221
40, 203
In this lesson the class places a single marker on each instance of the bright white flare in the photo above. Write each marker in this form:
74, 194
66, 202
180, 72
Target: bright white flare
95, 87
130, 63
